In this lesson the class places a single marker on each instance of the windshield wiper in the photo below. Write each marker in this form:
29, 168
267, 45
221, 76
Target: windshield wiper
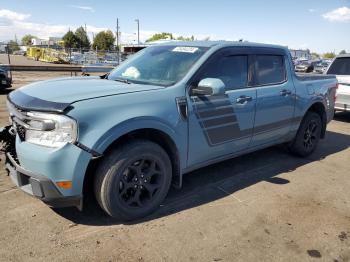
123, 80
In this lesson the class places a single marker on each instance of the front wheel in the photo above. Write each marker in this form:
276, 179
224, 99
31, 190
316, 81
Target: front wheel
308, 135
133, 180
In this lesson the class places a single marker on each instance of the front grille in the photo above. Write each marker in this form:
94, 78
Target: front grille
18, 118
21, 132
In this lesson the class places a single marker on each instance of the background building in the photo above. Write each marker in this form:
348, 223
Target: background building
299, 53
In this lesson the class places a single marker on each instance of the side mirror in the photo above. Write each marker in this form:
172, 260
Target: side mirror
209, 86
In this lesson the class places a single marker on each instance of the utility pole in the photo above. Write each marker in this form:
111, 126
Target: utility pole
8, 58
138, 31
118, 51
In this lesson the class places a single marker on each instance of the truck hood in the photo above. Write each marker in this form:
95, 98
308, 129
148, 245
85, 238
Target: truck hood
58, 94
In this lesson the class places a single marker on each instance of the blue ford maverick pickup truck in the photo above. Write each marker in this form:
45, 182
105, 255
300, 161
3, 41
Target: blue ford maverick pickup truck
170, 109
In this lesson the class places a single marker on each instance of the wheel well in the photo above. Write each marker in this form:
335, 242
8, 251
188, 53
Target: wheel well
319, 109
154, 135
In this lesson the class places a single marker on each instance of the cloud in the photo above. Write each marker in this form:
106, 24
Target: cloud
341, 14
16, 23
85, 8
311, 10
11, 15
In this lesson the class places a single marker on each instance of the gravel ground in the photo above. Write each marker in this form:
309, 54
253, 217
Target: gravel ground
265, 206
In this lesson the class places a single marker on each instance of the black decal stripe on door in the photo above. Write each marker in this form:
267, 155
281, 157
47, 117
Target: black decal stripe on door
217, 118
224, 133
218, 121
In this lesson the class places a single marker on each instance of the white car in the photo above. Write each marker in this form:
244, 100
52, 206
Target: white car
341, 68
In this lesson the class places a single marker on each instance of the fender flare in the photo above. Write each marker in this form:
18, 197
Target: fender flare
130, 125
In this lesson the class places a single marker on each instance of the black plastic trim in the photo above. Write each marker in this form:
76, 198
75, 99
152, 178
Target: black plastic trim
27, 102
87, 149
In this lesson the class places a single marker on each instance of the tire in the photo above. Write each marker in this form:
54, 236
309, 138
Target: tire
133, 179
308, 135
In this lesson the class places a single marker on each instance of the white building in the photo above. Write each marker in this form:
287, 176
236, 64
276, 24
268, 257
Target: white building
300, 54
51, 41
2, 47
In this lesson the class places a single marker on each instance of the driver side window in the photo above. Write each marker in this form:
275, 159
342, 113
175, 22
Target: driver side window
231, 69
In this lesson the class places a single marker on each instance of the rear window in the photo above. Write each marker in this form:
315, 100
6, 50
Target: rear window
340, 66
270, 69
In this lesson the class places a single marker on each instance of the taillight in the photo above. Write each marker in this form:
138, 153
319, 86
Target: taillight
336, 90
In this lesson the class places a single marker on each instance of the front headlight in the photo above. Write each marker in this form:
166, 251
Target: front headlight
50, 130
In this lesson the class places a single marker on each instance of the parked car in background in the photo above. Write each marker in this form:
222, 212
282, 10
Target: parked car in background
341, 68
321, 67
306, 66
168, 110
5, 77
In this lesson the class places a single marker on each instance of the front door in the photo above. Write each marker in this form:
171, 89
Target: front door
222, 125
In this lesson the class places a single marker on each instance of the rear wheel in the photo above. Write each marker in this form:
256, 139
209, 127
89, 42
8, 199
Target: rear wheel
308, 135
133, 180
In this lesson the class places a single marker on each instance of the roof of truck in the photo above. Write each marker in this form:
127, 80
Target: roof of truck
221, 43
344, 55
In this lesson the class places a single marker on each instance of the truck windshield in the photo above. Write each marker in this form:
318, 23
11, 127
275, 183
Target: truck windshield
158, 65
340, 66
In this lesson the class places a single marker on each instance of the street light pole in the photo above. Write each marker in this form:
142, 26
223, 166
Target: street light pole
118, 52
138, 31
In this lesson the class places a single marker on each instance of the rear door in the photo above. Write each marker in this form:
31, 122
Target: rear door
222, 125
341, 68
275, 98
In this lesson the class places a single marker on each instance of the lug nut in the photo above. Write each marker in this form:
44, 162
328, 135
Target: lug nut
135, 186
145, 180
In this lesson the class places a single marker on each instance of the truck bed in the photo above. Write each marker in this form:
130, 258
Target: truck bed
308, 77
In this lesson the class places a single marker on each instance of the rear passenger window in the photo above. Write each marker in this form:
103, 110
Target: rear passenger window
232, 70
270, 69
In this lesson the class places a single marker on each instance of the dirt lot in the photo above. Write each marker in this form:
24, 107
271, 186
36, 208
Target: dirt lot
266, 206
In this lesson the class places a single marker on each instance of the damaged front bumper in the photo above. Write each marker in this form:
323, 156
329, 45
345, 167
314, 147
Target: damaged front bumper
31, 183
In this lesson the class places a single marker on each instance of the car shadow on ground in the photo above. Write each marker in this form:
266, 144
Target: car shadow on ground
342, 117
220, 180
6, 91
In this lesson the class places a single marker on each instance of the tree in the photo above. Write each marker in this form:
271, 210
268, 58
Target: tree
13, 46
70, 40
27, 39
314, 54
160, 36
104, 40
329, 55
83, 41
342, 52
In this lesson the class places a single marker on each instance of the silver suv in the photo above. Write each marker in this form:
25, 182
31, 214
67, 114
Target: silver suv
341, 68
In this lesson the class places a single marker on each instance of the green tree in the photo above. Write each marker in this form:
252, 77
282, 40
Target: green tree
70, 40
13, 46
314, 54
329, 55
160, 36
27, 39
83, 41
342, 52
104, 40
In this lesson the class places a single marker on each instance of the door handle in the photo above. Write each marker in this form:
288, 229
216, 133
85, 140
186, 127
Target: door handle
285, 92
243, 99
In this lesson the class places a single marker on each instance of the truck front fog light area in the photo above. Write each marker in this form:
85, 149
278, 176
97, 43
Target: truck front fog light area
50, 130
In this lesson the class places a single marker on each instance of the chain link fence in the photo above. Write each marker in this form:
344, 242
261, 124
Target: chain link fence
59, 55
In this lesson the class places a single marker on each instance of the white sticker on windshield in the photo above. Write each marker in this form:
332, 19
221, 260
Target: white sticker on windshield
185, 49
